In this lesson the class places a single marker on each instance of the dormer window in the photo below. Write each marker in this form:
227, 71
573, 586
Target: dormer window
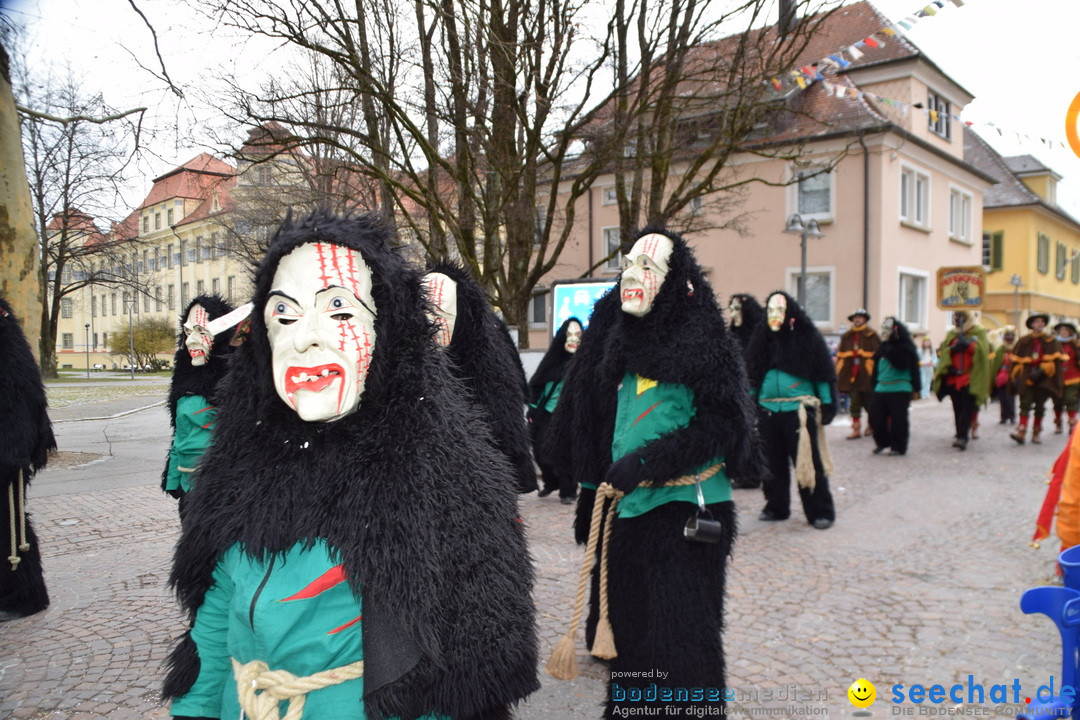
939, 112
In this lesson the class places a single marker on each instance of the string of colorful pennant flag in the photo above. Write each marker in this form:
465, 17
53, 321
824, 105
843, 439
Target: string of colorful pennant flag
807, 75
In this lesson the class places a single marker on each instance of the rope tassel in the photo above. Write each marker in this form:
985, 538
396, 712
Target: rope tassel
277, 686
17, 523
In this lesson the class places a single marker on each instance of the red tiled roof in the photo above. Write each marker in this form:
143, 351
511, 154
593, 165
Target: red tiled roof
190, 180
225, 200
126, 229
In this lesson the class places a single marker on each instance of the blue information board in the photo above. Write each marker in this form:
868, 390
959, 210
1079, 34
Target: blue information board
575, 298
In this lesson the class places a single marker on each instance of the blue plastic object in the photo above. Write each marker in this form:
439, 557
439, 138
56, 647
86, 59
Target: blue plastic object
1070, 565
1062, 606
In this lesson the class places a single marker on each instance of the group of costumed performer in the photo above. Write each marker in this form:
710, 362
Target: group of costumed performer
963, 374
1001, 387
1069, 400
200, 362
745, 315
897, 380
483, 356
545, 389
793, 380
24, 449
682, 416
351, 547
855, 368
1036, 375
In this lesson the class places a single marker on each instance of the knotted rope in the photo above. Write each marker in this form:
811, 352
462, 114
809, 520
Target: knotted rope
18, 529
277, 686
562, 664
804, 459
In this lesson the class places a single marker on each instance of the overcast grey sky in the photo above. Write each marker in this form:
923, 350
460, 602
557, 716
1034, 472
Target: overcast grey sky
1018, 57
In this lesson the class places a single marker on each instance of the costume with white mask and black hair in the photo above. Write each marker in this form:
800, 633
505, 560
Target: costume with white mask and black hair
200, 362
896, 378
545, 392
352, 524
25, 443
745, 314
485, 359
793, 378
682, 415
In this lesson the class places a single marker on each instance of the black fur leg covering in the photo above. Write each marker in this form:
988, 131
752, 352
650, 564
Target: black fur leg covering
666, 598
22, 590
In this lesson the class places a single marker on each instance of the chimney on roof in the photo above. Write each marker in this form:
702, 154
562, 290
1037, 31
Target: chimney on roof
787, 18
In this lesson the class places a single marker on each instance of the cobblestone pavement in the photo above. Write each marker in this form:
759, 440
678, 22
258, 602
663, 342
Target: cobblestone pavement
918, 582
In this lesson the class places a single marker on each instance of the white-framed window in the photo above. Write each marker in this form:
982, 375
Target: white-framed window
938, 113
914, 196
185, 293
993, 251
215, 286
820, 292
157, 221
813, 193
68, 341
913, 297
200, 287
538, 310
960, 210
230, 287
612, 243
610, 197
146, 224
695, 206
157, 299
171, 297
67, 308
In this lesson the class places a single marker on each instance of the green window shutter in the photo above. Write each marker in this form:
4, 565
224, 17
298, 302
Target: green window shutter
997, 251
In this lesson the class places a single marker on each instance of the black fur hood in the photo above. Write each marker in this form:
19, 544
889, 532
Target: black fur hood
797, 348
898, 348
27, 437
485, 358
753, 316
552, 366
409, 489
188, 379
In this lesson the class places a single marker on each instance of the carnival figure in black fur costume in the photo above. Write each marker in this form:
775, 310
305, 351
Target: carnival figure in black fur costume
200, 361
352, 523
896, 379
485, 359
545, 391
794, 381
25, 443
745, 315
682, 411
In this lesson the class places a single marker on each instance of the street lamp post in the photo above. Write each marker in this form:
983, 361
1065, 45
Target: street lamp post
87, 326
131, 335
1017, 282
810, 228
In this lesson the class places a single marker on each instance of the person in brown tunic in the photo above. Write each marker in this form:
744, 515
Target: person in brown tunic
855, 368
1036, 374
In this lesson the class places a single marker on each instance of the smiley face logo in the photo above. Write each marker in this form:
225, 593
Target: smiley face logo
862, 693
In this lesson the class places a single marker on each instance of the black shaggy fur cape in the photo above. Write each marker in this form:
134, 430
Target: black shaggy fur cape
901, 353
753, 316
486, 360
190, 380
797, 348
408, 489
25, 443
552, 366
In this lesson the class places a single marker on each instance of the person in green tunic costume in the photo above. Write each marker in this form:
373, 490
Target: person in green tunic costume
351, 547
963, 373
896, 380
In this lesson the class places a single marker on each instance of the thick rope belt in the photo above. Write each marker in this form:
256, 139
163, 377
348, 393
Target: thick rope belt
17, 528
804, 460
562, 664
261, 689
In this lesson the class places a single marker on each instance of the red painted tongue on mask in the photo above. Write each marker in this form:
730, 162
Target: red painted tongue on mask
633, 294
319, 383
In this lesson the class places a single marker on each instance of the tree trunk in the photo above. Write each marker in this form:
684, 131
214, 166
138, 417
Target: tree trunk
20, 280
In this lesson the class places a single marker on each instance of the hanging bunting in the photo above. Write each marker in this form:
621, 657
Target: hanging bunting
958, 3
929, 10
777, 85
854, 52
870, 42
887, 31
839, 59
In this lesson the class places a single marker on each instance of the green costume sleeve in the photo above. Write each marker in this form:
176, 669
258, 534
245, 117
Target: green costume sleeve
194, 432
824, 393
210, 633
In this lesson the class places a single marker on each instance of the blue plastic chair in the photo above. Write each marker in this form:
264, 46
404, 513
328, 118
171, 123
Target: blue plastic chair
1062, 605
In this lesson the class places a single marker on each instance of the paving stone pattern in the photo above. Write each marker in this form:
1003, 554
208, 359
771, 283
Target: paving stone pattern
918, 582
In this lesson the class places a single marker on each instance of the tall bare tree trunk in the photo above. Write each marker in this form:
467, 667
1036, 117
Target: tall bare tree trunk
20, 281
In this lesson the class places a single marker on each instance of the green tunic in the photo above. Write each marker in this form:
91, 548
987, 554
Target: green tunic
648, 410
891, 379
980, 363
779, 384
550, 396
194, 432
295, 612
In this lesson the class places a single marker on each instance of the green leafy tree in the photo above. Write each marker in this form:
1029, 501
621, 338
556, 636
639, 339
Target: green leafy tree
150, 337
